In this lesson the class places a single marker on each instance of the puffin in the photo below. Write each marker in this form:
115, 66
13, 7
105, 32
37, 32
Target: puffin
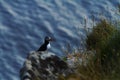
46, 44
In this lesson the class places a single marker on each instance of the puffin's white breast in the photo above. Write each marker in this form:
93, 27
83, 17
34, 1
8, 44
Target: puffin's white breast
48, 46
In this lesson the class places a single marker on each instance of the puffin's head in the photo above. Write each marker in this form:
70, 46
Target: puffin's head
47, 38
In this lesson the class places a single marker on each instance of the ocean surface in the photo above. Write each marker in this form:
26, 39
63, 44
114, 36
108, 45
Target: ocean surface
25, 23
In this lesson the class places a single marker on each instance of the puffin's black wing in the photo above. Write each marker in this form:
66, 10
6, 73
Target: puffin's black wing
42, 48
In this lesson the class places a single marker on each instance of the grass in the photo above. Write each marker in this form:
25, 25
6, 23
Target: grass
104, 62
100, 35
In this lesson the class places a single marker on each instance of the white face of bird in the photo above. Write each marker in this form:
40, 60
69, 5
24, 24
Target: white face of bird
48, 38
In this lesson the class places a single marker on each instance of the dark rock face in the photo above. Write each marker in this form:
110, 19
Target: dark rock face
43, 66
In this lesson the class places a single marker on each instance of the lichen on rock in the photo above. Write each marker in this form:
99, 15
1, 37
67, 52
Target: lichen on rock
43, 65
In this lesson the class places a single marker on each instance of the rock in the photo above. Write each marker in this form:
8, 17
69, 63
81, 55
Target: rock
43, 66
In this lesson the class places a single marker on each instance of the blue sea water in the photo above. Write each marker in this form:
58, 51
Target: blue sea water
25, 23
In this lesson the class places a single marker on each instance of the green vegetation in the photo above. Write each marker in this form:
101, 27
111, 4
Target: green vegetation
111, 57
104, 64
100, 35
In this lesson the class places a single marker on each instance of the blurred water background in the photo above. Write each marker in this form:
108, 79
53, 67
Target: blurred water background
25, 23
